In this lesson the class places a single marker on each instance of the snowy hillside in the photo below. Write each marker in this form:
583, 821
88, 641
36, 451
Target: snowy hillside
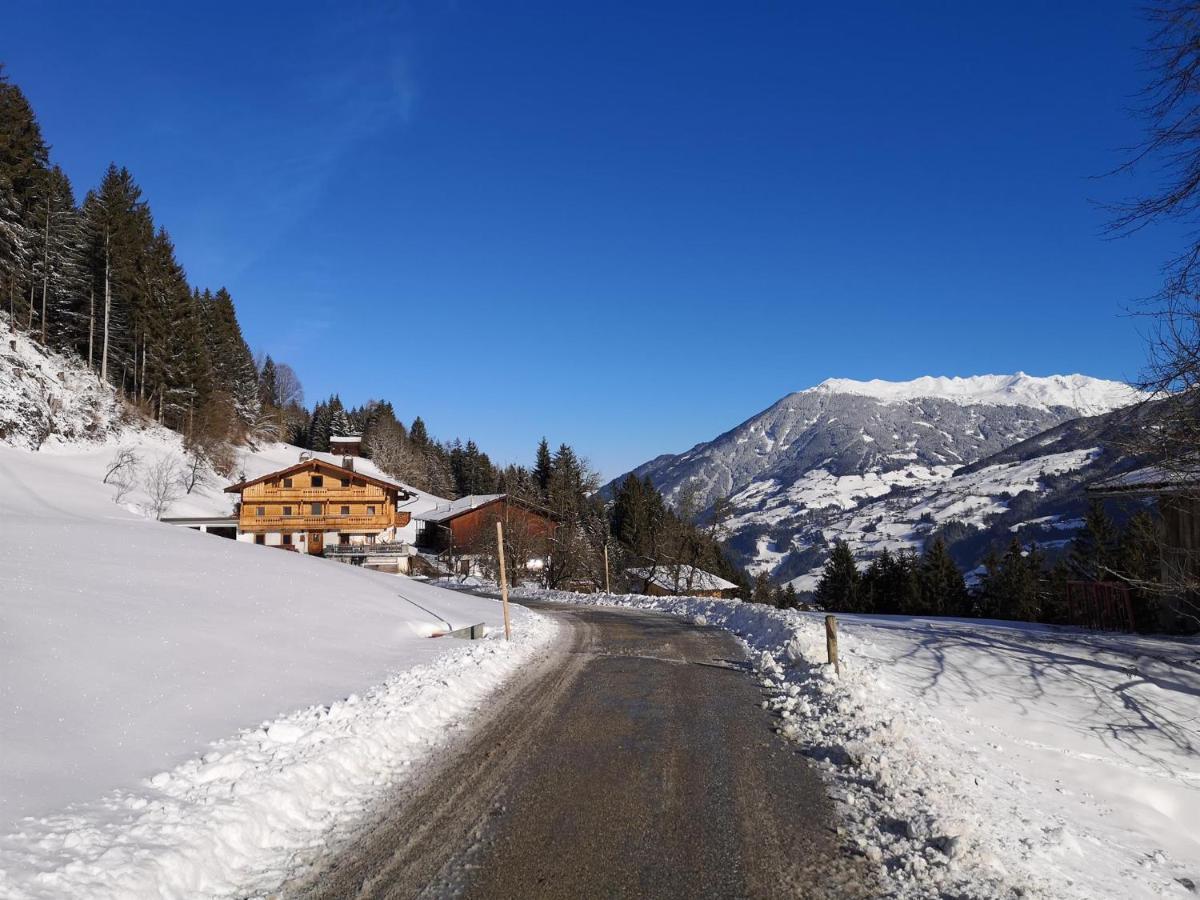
44, 394
184, 715
973, 758
825, 452
1086, 396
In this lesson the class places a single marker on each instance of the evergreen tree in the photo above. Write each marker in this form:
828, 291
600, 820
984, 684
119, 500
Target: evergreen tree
839, 587
1013, 586
1093, 555
543, 466
417, 433
943, 589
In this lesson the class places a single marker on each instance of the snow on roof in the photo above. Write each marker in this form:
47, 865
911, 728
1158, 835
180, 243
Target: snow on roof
453, 508
690, 579
1148, 480
345, 438
1090, 396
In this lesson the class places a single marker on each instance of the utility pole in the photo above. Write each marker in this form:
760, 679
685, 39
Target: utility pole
607, 586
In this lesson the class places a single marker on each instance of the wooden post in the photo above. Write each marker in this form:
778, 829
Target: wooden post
607, 586
503, 579
831, 643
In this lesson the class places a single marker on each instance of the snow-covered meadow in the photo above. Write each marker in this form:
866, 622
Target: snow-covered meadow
184, 715
975, 758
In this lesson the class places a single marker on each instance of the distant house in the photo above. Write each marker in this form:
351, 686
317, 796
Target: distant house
349, 445
684, 581
1177, 494
321, 508
467, 526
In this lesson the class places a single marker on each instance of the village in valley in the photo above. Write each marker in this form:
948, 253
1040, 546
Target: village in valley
727, 566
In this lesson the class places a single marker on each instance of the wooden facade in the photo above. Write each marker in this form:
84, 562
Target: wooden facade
314, 503
472, 529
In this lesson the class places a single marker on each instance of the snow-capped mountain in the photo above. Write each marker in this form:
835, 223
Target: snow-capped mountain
826, 451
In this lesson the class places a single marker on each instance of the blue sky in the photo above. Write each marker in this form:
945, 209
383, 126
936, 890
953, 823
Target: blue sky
624, 226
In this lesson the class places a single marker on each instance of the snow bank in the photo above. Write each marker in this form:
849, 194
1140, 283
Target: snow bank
136, 659
979, 758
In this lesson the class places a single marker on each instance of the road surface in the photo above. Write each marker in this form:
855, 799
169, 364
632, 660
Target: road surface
636, 762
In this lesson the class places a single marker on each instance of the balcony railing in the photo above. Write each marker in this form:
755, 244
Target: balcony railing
382, 549
327, 522
332, 493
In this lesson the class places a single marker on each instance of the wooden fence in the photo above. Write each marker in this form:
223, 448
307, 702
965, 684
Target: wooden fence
1100, 605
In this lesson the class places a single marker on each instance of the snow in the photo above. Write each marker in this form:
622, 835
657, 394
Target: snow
984, 758
1089, 396
449, 509
185, 715
685, 577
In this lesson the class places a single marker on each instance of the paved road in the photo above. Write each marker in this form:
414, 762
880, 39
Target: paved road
636, 763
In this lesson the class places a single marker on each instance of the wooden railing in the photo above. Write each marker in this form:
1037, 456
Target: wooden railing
381, 549
332, 493
328, 522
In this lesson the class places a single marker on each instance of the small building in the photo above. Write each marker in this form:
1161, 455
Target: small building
467, 526
323, 509
347, 445
682, 581
1177, 494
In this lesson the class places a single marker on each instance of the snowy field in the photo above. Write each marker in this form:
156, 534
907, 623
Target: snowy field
978, 757
185, 715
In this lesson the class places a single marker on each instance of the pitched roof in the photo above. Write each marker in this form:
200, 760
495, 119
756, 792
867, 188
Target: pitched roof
1147, 480
690, 579
314, 463
452, 509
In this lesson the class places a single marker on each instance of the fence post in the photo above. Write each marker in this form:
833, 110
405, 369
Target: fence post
503, 579
831, 643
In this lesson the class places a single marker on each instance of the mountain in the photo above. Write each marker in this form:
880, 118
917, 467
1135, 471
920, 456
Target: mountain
817, 455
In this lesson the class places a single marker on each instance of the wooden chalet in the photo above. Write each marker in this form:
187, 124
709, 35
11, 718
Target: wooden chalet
318, 507
468, 524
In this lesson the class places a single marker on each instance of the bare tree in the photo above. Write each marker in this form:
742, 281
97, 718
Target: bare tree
121, 467
162, 484
1166, 431
193, 473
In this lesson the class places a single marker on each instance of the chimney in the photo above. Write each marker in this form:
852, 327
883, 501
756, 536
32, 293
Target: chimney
348, 463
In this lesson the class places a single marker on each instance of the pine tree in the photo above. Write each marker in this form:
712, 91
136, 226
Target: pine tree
542, 467
1093, 555
417, 433
839, 587
943, 588
1013, 586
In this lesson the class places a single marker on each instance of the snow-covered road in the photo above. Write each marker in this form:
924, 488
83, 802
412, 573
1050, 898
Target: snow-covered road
983, 756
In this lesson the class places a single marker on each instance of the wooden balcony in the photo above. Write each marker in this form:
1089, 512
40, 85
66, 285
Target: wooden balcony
332, 494
313, 523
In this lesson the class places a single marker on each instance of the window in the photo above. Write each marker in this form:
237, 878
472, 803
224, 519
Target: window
260, 539
345, 482
287, 540
287, 482
260, 511
316, 509
370, 538
287, 510
345, 510
370, 510
318, 481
